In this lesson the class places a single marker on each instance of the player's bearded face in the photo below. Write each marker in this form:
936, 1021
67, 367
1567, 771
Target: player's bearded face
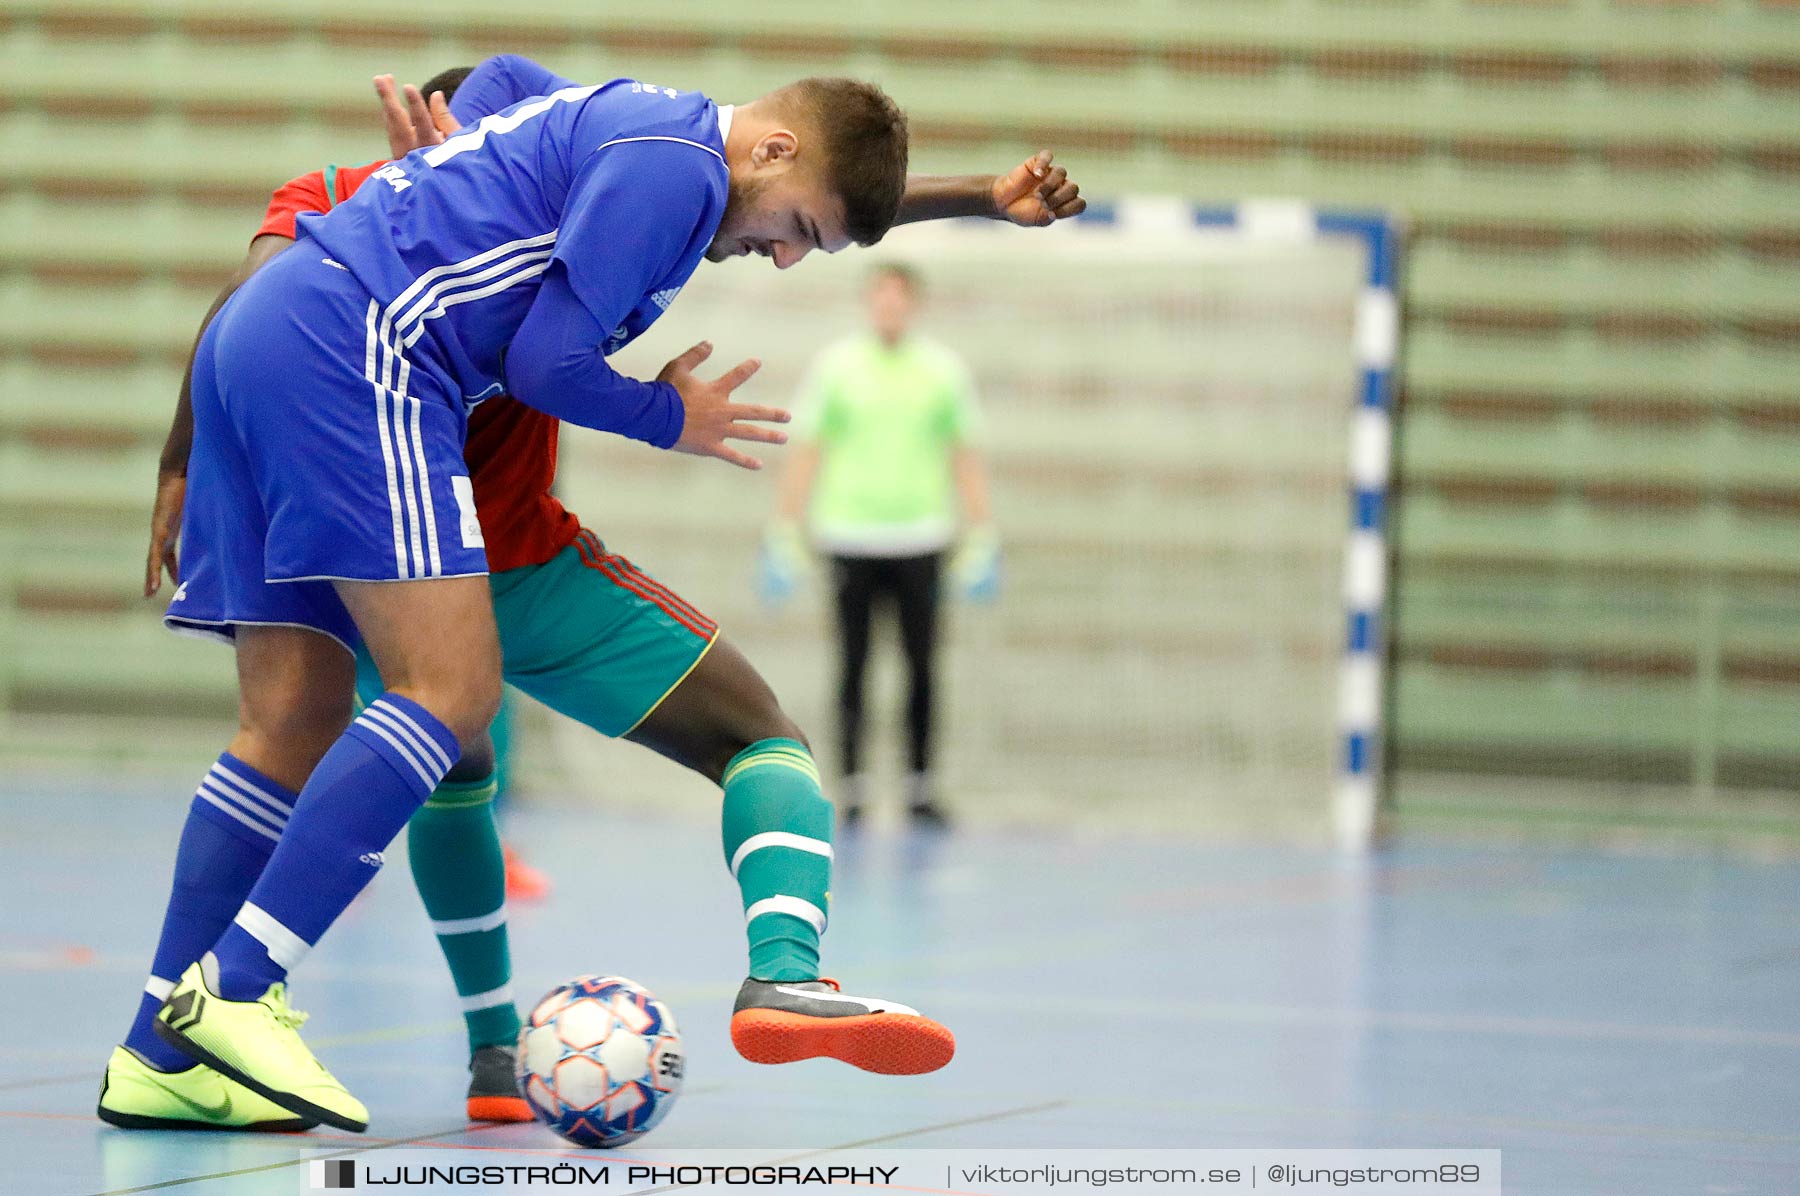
782, 218
744, 197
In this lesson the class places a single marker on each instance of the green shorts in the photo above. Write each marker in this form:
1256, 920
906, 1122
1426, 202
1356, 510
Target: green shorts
589, 635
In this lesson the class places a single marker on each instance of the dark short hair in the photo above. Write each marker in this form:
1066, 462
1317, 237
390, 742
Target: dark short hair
902, 273
445, 81
865, 148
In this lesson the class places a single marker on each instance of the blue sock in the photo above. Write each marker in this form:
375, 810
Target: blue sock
361, 794
233, 825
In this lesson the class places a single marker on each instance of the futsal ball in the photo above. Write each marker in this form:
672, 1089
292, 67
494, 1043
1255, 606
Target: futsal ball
600, 1060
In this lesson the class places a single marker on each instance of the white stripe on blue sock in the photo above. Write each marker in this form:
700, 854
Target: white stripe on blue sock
386, 716
238, 779
429, 744
209, 786
285, 947
405, 752
261, 829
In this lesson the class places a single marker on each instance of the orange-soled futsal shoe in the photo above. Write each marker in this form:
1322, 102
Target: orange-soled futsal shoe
783, 1022
494, 1086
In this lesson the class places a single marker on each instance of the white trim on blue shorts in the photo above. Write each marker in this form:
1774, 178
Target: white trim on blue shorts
376, 581
397, 414
197, 629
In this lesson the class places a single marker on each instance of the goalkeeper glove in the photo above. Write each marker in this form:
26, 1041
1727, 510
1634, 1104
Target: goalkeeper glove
781, 564
975, 569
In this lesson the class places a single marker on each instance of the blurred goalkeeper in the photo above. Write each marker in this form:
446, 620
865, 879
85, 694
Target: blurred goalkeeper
885, 463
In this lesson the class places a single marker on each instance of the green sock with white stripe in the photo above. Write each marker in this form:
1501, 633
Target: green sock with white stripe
777, 828
457, 864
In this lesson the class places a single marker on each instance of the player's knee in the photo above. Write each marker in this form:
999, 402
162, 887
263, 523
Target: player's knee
311, 722
476, 763
288, 740
464, 700
476, 702
786, 728
295, 696
754, 724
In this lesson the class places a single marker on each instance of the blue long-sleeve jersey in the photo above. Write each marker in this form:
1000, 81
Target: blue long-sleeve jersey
499, 82
517, 254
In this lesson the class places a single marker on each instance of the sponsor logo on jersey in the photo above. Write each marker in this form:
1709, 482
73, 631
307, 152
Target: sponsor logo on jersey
393, 176
470, 517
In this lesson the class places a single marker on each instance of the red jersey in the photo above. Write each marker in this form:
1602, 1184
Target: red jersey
511, 448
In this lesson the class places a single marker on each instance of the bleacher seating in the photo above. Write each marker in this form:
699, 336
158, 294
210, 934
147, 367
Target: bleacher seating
1599, 523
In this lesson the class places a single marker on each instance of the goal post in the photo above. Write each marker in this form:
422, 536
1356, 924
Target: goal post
1362, 695
1375, 334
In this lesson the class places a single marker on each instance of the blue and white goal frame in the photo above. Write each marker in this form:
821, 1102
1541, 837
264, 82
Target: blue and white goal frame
1362, 687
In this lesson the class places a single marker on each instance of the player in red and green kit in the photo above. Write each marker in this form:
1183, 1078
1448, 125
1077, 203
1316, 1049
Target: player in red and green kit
585, 631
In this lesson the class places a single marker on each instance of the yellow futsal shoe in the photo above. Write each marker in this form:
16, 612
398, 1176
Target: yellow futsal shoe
135, 1096
257, 1043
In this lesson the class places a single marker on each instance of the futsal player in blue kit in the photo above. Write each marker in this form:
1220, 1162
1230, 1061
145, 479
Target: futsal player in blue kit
328, 498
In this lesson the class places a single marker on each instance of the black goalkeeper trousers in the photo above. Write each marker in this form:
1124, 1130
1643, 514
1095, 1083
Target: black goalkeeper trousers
912, 583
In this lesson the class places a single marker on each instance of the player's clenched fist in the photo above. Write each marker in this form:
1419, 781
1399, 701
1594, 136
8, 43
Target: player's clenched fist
710, 418
1037, 193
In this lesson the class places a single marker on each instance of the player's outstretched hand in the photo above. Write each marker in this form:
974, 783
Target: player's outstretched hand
711, 417
411, 120
1037, 192
165, 532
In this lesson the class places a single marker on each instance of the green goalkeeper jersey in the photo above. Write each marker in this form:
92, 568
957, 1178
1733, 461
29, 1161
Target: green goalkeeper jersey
886, 421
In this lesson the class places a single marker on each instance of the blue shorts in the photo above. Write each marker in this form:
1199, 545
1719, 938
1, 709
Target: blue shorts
318, 455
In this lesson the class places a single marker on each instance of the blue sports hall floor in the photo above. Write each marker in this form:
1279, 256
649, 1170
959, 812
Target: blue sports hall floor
1615, 1024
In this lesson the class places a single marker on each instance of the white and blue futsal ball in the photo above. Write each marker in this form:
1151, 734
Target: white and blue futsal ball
600, 1060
